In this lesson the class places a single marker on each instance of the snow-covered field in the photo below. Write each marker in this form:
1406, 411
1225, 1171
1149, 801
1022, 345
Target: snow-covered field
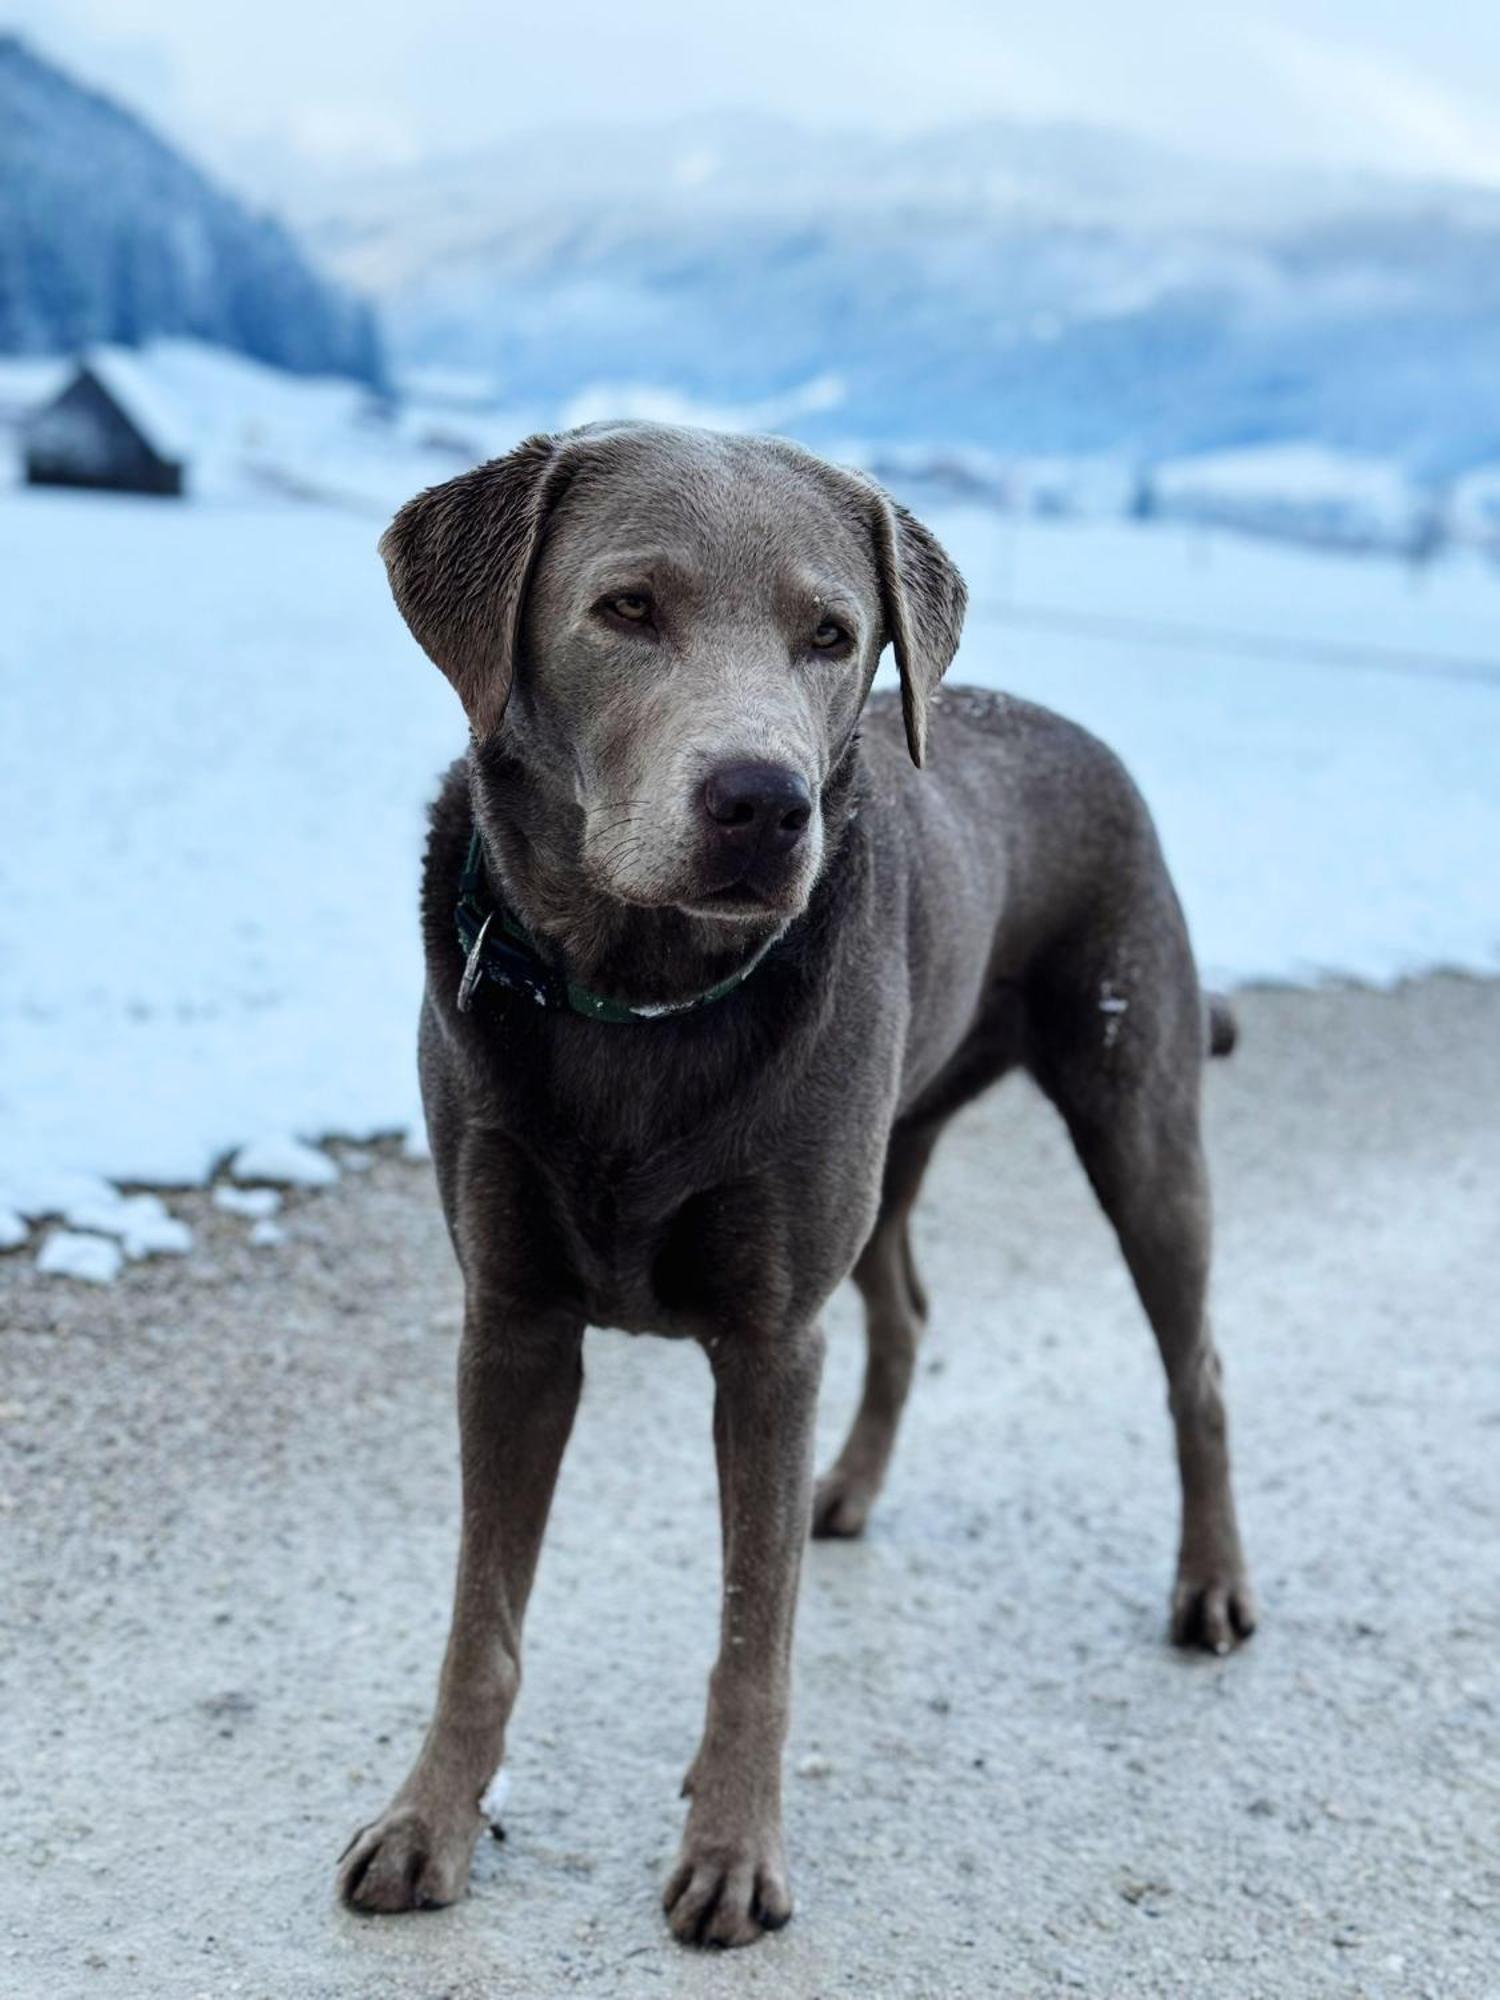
1318, 736
215, 745
216, 742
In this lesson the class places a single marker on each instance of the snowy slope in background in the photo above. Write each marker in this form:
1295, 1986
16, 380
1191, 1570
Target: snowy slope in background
242, 426
245, 429
1034, 289
1301, 491
215, 759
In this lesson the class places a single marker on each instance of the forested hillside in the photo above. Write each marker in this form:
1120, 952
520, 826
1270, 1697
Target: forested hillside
108, 234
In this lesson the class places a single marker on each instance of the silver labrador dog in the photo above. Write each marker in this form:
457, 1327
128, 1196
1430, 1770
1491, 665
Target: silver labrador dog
710, 963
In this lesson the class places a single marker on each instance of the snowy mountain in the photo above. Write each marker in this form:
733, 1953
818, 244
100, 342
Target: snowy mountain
107, 234
1029, 289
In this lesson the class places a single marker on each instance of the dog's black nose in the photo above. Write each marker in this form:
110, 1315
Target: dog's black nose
763, 808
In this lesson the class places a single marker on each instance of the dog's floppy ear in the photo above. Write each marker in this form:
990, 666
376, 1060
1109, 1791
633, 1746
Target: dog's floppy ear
924, 598
459, 557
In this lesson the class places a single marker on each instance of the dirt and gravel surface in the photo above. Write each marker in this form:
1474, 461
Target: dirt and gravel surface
229, 1524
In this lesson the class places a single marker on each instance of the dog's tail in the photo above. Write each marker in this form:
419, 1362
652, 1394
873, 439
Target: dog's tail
1223, 1030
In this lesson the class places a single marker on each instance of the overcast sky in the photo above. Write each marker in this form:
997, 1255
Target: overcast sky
260, 88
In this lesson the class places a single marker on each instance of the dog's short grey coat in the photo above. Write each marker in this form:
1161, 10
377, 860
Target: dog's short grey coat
623, 611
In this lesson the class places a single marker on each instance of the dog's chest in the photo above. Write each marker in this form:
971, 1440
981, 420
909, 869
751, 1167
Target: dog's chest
669, 1180
648, 1246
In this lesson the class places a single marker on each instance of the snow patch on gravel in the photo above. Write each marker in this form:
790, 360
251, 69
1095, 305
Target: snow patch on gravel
285, 1161
255, 1202
95, 1260
142, 1223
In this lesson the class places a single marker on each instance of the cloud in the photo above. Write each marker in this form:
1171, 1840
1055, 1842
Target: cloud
1425, 125
271, 90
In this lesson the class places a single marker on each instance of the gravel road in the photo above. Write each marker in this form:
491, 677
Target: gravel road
230, 1516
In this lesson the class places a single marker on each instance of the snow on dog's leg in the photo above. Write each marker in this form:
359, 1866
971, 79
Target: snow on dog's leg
1131, 1101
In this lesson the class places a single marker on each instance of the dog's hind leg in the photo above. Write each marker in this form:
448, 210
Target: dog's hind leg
1127, 1086
895, 1307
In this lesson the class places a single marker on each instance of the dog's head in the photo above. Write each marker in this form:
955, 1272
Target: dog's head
677, 629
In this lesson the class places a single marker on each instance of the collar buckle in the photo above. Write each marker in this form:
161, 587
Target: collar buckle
473, 967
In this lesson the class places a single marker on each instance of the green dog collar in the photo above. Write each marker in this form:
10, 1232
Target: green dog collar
497, 947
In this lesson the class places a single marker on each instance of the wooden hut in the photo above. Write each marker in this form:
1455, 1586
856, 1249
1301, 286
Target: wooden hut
107, 428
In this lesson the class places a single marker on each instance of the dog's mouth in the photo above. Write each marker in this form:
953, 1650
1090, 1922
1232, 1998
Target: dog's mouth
738, 902
735, 902
724, 889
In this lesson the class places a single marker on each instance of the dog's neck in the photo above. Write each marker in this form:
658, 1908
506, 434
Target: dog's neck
622, 951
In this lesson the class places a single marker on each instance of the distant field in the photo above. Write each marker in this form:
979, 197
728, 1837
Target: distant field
216, 742
1318, 736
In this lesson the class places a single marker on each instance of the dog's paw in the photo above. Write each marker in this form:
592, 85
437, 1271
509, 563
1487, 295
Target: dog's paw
841, 1507
727, 1892
1213, 1612
405, 1861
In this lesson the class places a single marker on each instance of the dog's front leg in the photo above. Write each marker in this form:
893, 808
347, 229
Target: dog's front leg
730, 1882
517, 1394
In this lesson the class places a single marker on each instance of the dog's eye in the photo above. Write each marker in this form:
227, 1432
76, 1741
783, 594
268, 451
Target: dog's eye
829, 636
632, 605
